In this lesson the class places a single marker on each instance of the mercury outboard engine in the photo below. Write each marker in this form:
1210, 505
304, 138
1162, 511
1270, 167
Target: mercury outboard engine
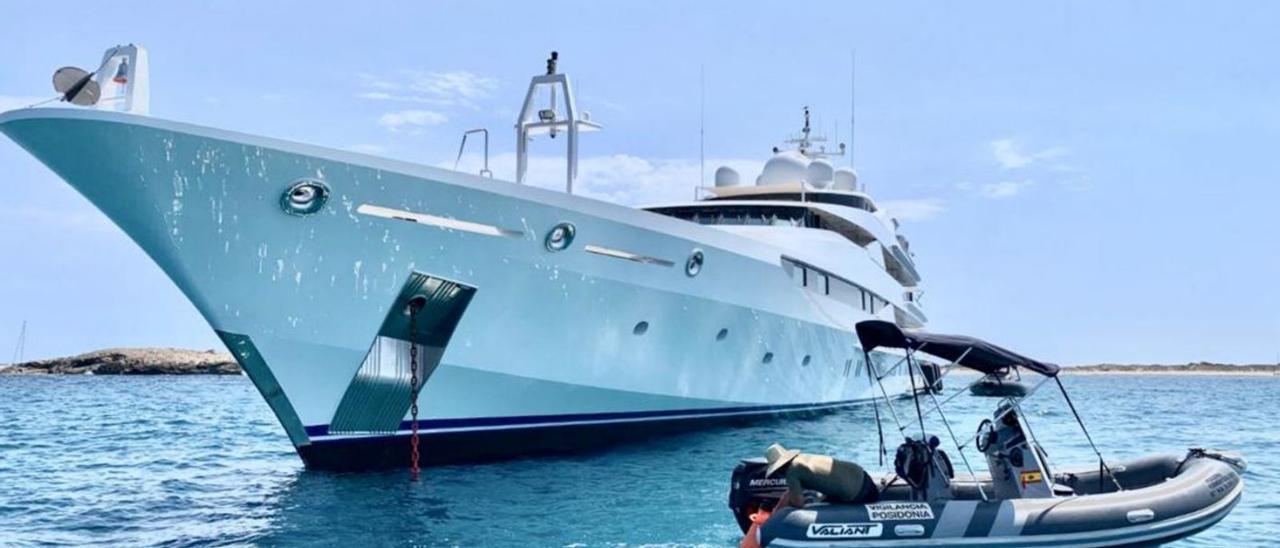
750, 490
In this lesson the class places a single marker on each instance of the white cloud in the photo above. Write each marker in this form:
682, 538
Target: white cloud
370, 81
448, 88
411, 120
1010, 154
457, 84
618, 178
914, 210
1005, 189
1044, 164
10, 102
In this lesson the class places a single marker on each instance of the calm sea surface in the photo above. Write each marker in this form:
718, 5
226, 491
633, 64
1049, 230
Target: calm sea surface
200, 460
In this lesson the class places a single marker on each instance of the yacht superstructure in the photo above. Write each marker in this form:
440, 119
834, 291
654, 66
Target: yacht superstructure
540, 320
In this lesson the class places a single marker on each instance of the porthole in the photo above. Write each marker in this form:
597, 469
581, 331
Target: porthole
560, 237
304, 197
722, 334
768, 357
640, 328
694, 264
805, 361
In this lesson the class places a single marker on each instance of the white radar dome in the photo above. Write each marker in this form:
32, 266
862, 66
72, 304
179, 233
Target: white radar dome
820, 173
845, 179
727, 176
784, 167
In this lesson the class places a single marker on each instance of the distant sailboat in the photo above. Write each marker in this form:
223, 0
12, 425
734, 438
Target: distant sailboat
20, 349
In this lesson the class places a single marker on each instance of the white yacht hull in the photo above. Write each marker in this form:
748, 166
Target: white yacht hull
548, 352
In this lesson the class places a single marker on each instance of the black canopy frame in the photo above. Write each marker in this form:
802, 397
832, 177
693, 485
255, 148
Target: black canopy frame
958, 349
964, 351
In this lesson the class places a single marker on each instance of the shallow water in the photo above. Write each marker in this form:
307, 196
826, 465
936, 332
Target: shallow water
200, 460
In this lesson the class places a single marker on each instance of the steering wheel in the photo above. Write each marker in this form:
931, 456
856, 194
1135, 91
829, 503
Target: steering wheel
985, 436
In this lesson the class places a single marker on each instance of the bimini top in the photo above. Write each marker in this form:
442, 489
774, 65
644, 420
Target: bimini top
967, 351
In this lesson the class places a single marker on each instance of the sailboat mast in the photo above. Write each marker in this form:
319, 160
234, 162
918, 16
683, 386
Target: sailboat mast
19, 350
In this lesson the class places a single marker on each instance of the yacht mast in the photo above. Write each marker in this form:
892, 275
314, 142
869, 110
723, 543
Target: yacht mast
550, 121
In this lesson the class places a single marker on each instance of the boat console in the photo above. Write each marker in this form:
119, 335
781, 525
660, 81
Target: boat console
1018, 465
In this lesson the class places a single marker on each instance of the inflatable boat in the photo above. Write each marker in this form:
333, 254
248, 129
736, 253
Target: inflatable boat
1022, 501
1165, 498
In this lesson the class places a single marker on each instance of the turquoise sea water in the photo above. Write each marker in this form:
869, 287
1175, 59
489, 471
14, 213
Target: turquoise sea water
182, 461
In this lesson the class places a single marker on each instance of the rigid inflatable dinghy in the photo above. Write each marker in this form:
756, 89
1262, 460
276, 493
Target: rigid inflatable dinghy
1023, 501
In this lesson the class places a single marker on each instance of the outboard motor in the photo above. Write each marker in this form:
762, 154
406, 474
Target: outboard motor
1017, 464
925, 468
750, 491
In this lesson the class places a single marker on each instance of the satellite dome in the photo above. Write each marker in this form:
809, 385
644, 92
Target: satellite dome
845, 179
820, 173
785, 167
727, 176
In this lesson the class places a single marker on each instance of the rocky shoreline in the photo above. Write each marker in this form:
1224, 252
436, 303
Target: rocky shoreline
132, 361
1198, 368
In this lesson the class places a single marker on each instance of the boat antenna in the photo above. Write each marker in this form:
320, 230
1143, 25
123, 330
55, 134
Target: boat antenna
702, 129
853, 103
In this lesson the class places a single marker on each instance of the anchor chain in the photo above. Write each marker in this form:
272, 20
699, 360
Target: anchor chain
413, 392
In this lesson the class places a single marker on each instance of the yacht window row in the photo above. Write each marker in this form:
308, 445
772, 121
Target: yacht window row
742, 215
847, 200
823, 283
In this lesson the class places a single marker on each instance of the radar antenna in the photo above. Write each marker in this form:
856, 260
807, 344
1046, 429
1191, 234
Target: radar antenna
810, 145
550, 120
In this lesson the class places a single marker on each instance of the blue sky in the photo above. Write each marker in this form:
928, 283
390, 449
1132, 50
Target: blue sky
1083, 181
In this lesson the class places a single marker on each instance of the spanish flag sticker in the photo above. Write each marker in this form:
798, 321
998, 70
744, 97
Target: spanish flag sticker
1032, 476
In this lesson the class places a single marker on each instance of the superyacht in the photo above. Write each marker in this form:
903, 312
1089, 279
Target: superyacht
373, 302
